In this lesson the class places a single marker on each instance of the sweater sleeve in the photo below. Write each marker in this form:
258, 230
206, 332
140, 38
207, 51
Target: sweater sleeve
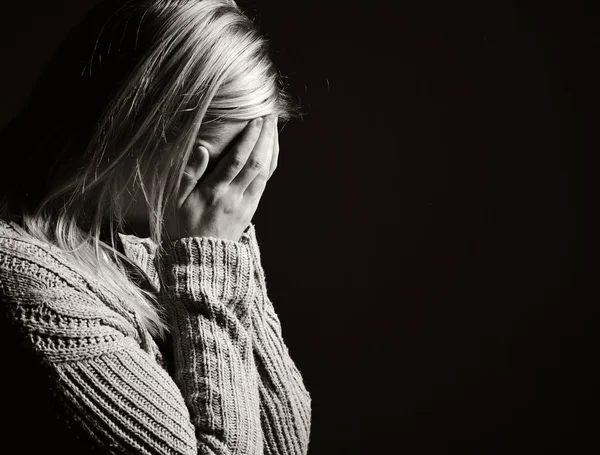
115, 390
285, 403
207, 292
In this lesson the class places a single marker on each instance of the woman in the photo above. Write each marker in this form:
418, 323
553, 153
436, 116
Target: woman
135, 315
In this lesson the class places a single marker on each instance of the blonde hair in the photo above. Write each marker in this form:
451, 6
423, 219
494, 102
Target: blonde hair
133, 78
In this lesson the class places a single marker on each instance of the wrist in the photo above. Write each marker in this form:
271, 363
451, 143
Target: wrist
208, 269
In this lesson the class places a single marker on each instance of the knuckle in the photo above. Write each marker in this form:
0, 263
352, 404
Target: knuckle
237, 163
253, 189
256, 164
229, 208
262, 176
232, 204
214, 198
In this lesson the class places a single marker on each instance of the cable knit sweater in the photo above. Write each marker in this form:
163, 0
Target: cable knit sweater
231, 388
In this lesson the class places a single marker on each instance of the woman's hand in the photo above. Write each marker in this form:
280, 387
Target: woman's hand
222, 204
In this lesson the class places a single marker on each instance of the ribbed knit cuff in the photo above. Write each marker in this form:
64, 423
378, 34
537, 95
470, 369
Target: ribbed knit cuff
249, 238
208, 269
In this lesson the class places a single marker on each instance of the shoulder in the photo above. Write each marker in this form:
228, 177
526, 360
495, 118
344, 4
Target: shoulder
28, 262
53, 302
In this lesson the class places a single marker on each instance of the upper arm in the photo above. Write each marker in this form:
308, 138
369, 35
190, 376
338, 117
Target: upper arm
116, 392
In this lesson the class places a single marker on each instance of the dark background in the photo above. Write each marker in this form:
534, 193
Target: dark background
423, 235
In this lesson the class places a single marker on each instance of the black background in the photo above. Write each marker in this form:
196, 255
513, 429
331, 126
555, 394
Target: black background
423, 235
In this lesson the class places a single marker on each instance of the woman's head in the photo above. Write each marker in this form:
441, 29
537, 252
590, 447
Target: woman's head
121, 106
131, 91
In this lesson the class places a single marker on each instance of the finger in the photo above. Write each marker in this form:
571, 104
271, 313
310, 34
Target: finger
260, 159
231, 165
275, 156
194, 170
259, 182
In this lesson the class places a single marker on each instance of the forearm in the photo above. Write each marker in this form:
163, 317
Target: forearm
207, 293
285, 405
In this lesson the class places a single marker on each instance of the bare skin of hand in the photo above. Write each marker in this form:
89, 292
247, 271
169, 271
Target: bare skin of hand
222, 204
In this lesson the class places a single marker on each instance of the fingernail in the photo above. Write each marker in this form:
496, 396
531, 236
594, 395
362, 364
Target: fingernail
259, 121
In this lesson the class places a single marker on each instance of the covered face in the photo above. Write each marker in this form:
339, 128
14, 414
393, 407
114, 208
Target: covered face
217, 140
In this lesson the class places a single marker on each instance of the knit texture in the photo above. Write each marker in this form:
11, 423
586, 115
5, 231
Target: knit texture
232, 387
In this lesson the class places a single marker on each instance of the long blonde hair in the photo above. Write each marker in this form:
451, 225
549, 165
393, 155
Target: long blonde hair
131, 79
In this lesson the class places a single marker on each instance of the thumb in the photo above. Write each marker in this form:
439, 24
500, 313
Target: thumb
193, 171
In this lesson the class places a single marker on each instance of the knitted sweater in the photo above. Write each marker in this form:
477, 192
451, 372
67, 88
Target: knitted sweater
232, 387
